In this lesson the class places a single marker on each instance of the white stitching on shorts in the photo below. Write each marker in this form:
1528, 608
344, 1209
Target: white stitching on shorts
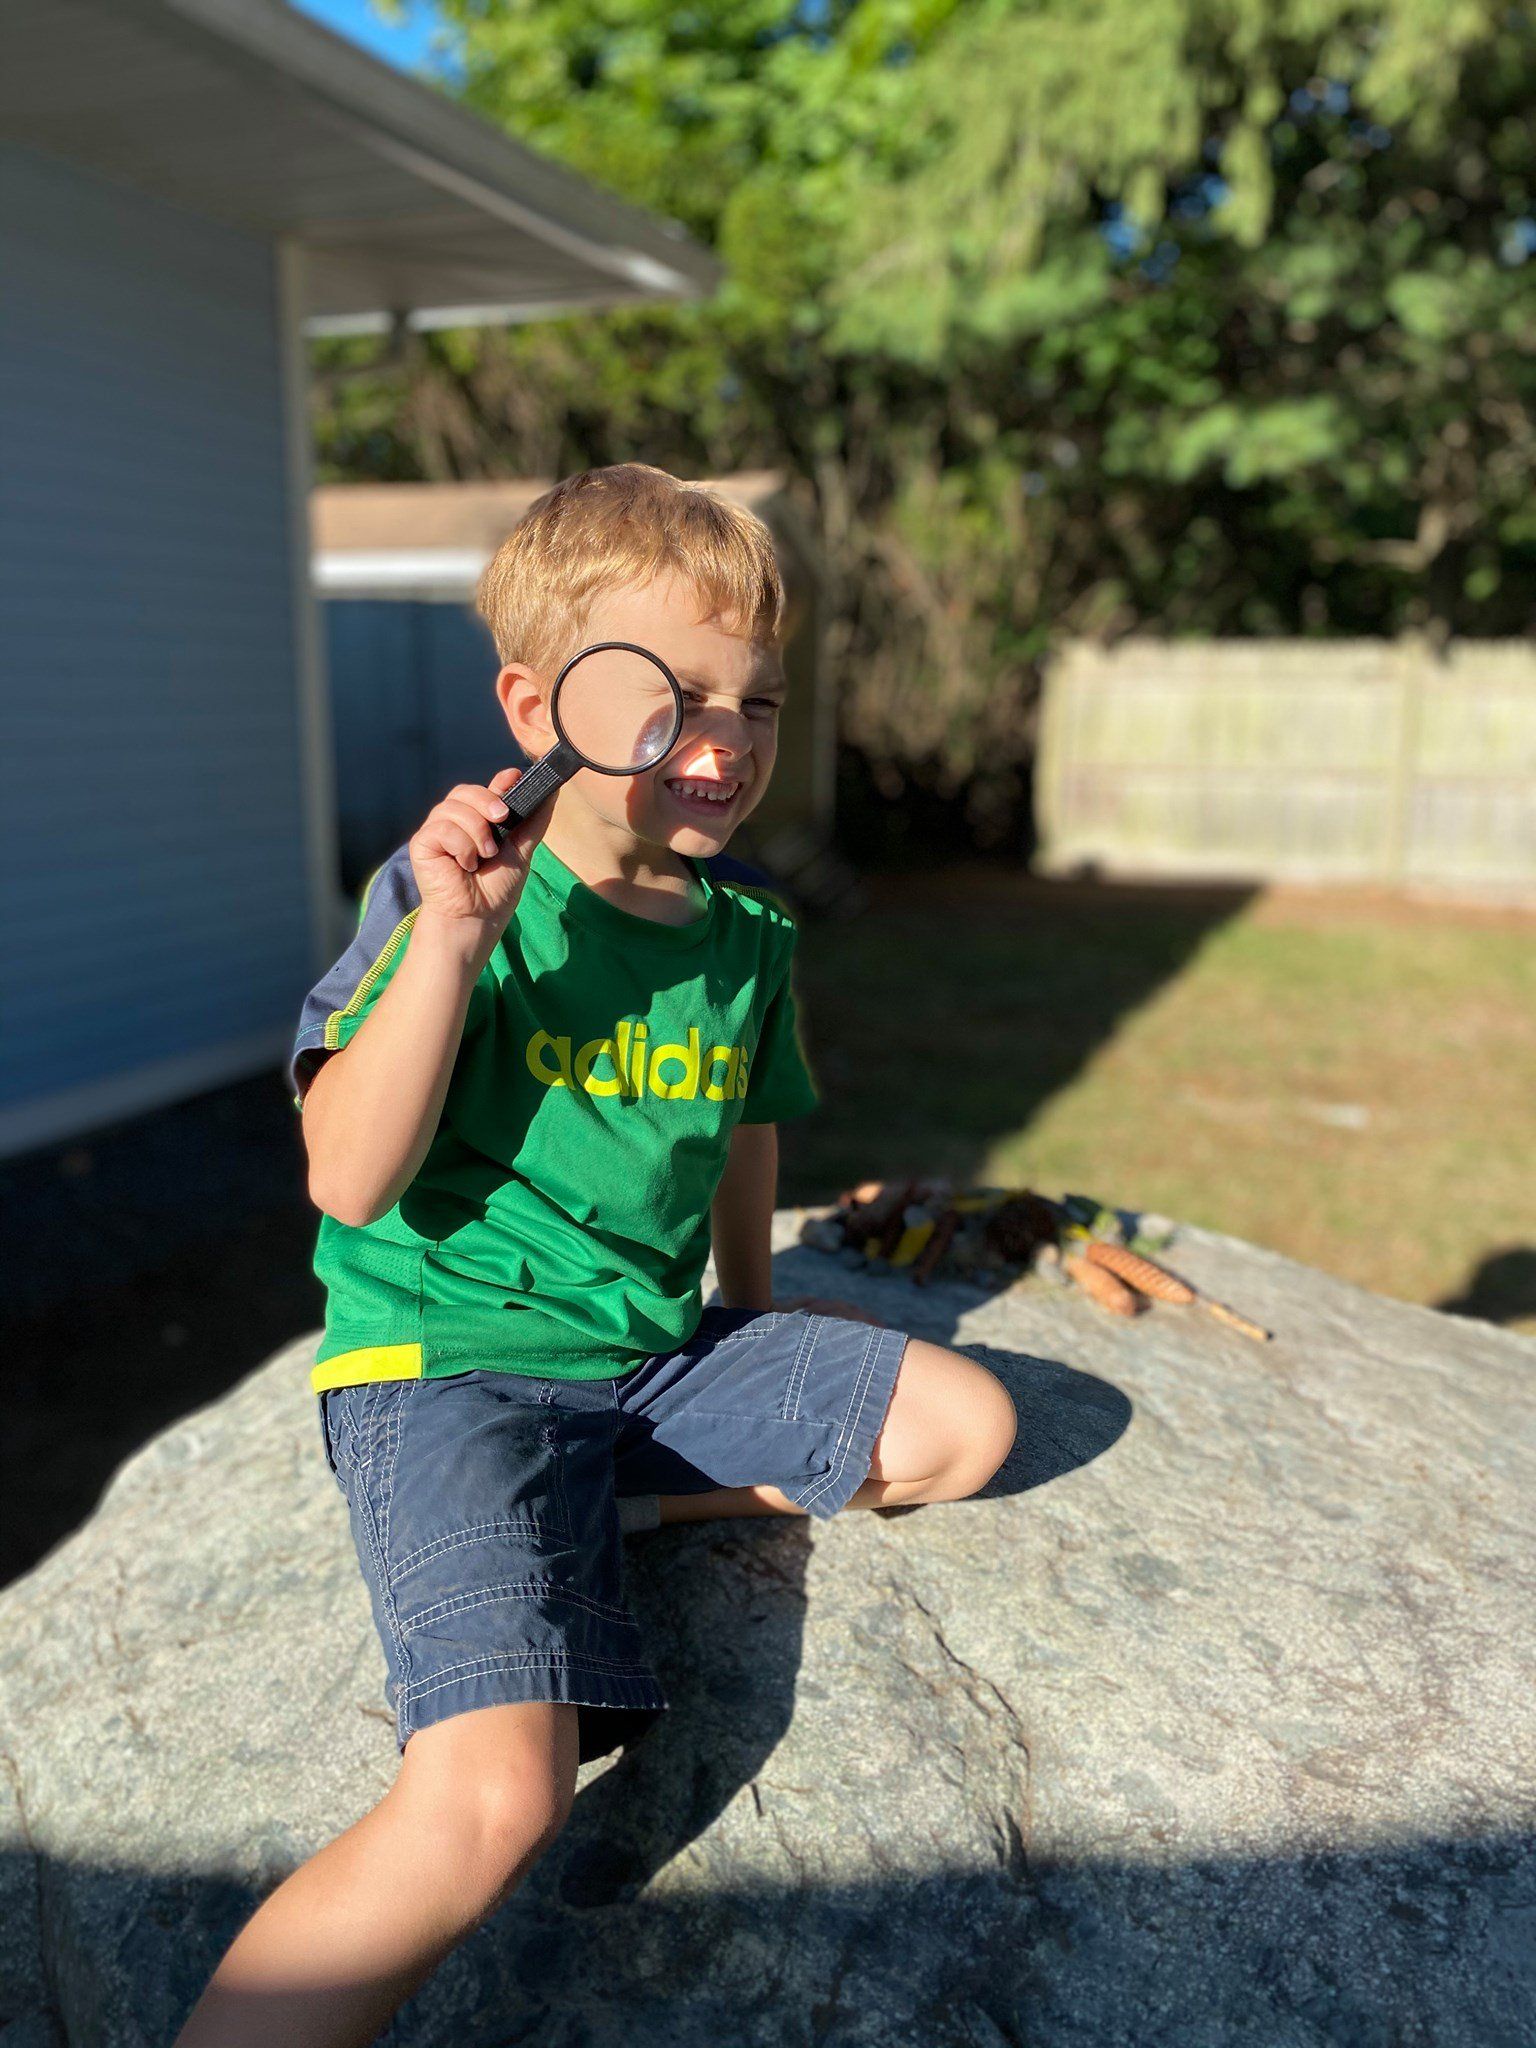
521, 1589
365, 1514
795, 1384
457, 1539
531, 1660
855, 1410
850, 1415
759, 1325
367, 1396
386, 1498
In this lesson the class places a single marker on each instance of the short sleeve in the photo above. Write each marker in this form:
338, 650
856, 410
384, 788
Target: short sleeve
779, 1082
344, 996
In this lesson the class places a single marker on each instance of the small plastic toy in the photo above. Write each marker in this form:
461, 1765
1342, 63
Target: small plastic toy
996, 1237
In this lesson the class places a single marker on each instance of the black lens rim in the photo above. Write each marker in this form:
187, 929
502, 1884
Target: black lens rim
626, 647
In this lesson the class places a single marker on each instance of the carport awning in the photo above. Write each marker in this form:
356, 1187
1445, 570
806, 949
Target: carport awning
406, 204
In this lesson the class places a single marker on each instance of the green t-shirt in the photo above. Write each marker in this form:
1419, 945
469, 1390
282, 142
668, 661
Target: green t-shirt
560, 1222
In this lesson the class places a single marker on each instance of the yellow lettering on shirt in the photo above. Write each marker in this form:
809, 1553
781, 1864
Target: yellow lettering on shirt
585, 1060
538, 1046
719, 1091
685, 1056
637, 1068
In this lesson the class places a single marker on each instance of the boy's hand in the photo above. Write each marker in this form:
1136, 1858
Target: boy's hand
819, 1305
461, 872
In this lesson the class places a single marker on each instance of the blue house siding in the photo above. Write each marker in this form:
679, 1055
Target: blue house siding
156, 912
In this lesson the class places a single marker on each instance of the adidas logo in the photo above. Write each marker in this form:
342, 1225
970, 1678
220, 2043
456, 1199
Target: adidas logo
628, 1065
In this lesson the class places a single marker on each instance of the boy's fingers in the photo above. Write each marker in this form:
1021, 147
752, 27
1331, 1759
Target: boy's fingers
442, 835
474, 817
486, 801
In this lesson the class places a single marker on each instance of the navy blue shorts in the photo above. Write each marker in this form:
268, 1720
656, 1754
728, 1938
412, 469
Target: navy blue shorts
484, 1506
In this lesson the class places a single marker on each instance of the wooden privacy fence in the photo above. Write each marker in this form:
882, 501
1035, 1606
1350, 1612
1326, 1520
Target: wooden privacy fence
1296, 760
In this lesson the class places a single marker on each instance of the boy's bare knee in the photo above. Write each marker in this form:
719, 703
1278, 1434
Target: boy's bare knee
514, 1816
498, 1783
995, 1425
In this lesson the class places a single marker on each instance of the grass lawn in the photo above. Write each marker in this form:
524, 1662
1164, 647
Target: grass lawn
1348, 1076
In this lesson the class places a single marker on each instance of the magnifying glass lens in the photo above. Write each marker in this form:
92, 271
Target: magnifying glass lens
618, 709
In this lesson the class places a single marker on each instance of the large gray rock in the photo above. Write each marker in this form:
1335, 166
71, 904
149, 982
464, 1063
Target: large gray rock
1211, 1725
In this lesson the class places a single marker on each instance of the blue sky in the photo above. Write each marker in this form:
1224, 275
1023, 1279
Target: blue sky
405, 42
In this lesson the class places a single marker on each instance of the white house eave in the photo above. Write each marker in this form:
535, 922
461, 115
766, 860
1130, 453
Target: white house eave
407, 204
423, 319
425, 132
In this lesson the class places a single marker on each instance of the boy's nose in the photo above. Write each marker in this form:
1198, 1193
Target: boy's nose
722, 744
725, 765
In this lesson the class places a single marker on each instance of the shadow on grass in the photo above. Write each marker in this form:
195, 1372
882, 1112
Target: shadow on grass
961, 1001
1501, 1288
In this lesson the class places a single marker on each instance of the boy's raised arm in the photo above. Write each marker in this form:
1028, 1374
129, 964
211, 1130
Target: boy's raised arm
372, 1110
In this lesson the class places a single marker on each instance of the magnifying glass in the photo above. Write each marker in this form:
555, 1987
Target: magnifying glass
616, 707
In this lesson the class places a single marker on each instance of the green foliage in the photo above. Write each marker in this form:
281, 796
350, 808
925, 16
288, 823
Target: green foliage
1069, 315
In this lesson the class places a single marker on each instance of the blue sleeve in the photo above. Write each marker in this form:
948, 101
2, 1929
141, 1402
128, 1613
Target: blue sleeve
345, 994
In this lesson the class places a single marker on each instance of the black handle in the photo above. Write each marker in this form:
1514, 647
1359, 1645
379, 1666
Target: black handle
536, 783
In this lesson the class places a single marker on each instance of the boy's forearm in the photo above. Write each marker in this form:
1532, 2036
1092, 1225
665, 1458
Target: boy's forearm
741, 1218
372, 1110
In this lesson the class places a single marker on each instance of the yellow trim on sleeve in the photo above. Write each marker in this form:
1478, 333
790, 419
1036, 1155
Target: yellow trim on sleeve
367, 891
374, 1362
360, 993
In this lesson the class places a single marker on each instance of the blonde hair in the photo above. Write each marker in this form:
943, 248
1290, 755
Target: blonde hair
617, 527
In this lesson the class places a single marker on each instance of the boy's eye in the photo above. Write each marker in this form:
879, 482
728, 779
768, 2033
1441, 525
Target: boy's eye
761, 704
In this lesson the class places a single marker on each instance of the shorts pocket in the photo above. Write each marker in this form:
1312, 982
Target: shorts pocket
329, 1441
557, 1513
479, 1497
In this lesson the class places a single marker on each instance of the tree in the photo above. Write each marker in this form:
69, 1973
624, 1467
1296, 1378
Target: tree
1075, 316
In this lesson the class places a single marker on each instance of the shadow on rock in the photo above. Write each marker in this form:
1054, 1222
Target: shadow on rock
1067, 1418
1425, 1941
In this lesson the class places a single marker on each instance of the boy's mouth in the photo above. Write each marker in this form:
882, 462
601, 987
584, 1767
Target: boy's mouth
702, 795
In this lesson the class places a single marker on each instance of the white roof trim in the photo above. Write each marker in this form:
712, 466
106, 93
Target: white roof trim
422, 319
628, 265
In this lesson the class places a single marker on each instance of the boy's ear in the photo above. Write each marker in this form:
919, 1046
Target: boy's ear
525, 706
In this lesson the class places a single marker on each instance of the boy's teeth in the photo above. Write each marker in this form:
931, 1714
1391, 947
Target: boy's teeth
706, 789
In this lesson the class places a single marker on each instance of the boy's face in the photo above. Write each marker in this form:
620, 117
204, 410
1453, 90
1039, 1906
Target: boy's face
732, 688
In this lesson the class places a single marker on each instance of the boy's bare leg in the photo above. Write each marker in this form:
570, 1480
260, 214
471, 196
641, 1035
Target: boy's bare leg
330, 1955
950, 1425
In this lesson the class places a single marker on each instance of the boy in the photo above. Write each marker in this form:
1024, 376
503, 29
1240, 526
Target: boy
542, 1080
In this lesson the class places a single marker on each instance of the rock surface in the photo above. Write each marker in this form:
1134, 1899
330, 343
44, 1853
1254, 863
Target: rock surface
1211, 1725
